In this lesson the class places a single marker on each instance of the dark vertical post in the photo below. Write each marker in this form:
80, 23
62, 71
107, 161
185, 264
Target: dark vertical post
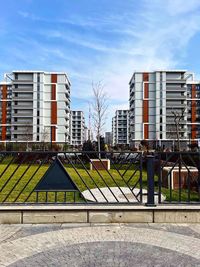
159, 177
51, 137
65, 141
150, 181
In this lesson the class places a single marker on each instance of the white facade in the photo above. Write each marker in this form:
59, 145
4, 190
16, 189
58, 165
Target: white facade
40, 106
154, 97
108, 138
120, 127
86, 134
5, 110
77, 128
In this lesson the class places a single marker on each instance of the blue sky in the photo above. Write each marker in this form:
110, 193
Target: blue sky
99, 40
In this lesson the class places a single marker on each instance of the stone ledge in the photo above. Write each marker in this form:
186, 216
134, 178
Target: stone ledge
100, 216
54, 217
188, 216
96, 207
121, 217
10, 217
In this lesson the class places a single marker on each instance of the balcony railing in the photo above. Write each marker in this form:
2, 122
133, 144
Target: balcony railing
22, 81
175, 97
176, 81
175, 89
23, 98
22, 89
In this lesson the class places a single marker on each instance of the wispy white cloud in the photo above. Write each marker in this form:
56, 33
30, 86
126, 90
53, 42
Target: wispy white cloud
159, 42
106, 23
181, 7
76, 39
157, 36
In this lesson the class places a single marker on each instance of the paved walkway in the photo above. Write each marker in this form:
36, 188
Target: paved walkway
88, 245
117, 194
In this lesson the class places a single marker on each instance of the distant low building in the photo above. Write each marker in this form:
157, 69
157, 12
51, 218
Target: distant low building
108, 138
77, 128
86, 134
120, 127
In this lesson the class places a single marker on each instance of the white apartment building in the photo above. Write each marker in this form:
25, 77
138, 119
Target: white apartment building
87, 134
193, 110
5, 110
39, 106
120, 127
108, 138
77, 128
154, 97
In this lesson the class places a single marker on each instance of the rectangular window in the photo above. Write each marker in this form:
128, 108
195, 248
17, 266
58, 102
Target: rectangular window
38, 77
38, 91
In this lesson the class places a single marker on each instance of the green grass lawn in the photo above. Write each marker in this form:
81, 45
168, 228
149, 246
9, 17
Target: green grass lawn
23, 181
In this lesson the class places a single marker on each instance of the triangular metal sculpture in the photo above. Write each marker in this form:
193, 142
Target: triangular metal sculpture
56, 178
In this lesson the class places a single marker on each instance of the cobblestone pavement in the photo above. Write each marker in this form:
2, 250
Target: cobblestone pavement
88, 245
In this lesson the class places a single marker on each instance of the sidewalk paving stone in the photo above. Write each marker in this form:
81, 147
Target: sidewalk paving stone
91, 245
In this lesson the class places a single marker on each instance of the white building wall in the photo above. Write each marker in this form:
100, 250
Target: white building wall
77, 127
138, 107
39, 105
160, 103
120, 127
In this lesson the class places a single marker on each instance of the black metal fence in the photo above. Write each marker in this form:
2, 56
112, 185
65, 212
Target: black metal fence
108, 178
70, 177
177, 177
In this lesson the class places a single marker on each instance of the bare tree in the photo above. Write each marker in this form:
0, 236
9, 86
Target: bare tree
28, 134
178, 117
99, 107
45, 137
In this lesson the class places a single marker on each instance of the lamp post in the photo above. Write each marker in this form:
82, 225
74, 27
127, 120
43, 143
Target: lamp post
51, 137
190, 141
65, 140
51, 134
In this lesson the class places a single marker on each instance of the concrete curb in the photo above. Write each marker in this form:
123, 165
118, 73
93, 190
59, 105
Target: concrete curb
34, 214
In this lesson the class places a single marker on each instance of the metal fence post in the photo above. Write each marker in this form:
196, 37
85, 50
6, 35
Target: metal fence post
150, 180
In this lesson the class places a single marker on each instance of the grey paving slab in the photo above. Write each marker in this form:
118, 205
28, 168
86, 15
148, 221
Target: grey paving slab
100, 245
183, 229
117, 194
113, 253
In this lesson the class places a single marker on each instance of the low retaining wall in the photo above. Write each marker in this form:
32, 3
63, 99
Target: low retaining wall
99, 214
